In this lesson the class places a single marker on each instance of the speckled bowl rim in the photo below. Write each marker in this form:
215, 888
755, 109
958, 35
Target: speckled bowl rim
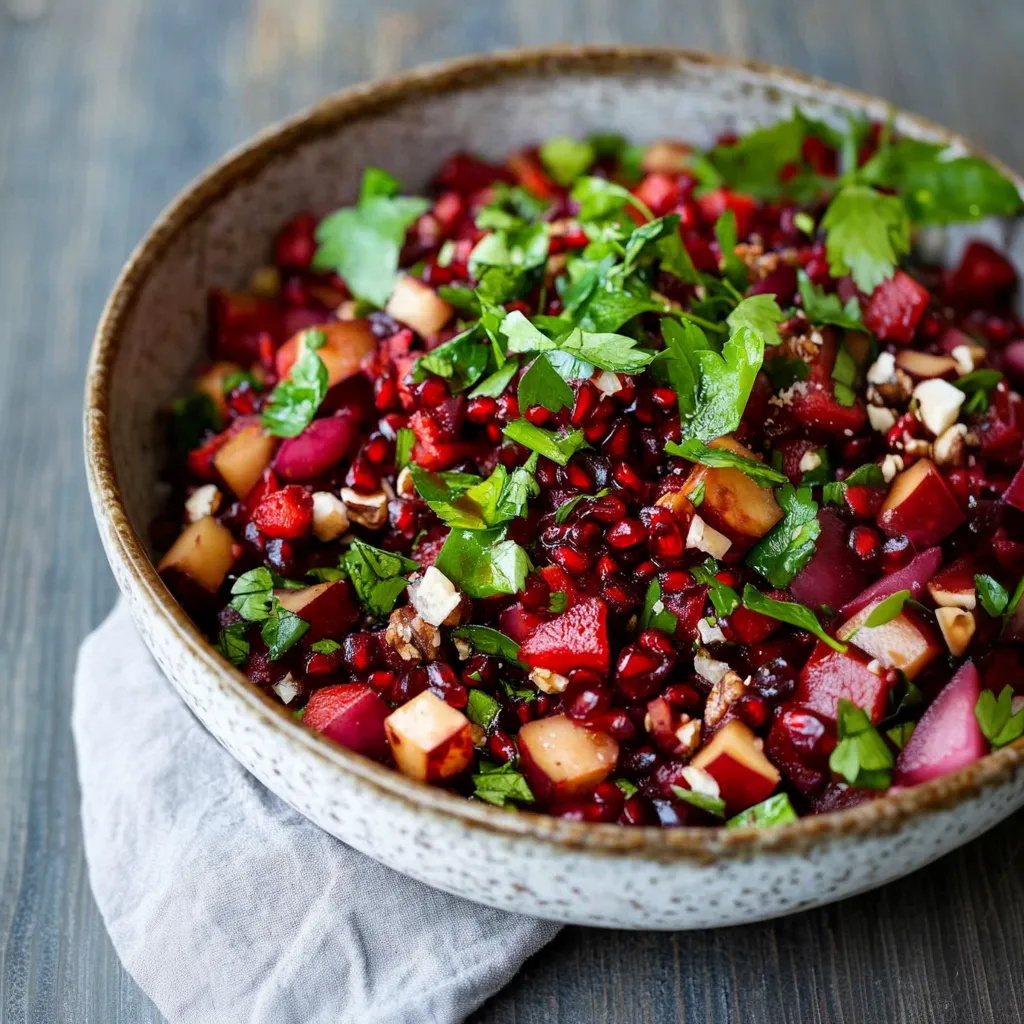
879, 817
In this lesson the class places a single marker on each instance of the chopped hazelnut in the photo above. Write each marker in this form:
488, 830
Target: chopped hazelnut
548, 681
688, 735
950, 448
369, 510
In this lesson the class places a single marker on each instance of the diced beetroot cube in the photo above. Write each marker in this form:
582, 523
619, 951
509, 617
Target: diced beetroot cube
559, 581
781, 282
894, 308
752, 627
465, 173
814, 405
983, 276
237, 321
920, 506
688, 608
830, 675
1014, 494
792, 453
576, 639
833, 575
948, 736
351, 714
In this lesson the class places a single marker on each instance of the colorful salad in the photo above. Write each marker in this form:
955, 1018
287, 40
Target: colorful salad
627, 484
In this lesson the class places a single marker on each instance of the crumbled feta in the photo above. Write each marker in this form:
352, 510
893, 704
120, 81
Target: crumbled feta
700, 781
874, 666
287, 689
882, 420
434, 597
707, 667
809, 461
710, 634
938, 404
963, 355
891, 465
706, 538
547, 681
330, 517
202, 502
883, 369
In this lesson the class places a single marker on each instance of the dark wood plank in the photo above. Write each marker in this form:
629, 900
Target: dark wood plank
106, 109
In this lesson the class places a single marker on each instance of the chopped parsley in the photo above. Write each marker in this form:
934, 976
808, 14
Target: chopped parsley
861, 756
780, 555
293, 403
377, 576
498, 784
722, 458
995, 716
790, 612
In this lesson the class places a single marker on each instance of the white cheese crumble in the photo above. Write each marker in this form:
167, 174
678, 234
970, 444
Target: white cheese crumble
883, 369
202, 502
287, 689
938, 404
710, 634
809, 461
434, 597
707, 667
706, 538
882, 420
891, 465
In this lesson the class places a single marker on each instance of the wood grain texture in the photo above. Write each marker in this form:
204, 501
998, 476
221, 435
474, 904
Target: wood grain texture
107, 107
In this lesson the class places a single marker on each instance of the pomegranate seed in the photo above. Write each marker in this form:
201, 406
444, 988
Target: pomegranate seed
432, 392
537, 415
507, 408
579, 477
896, 553
675, 580
664, 398
502, 746
481, 410
636, 811
574, 562
626, 533
608, 509
586, 402
865, 543
682, 696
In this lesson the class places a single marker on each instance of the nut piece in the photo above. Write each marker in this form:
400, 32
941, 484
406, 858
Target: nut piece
950, 448
727, 690
411, 637
968, 357
706, 538
918, 448
701, 781
548, 681
203, 501
881, 419
688, 735
404, 485
369, 510
957, 628
707, 667
330, 517
891, 466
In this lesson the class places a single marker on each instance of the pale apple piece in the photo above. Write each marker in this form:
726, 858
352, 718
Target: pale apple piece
957, 627
348, 343
211, 383
241, 459
734, 758
733, 503
954, 586
562, 760
677, 503
429, 739
905, 642
666, 156
203, 552
923, 365
418, 306
295, 600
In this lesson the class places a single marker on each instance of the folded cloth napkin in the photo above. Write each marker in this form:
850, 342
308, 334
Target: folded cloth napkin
226, 905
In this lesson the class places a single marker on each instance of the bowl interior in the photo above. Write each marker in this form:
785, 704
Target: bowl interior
220, 228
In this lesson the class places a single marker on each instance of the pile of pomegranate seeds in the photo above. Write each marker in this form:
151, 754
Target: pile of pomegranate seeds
628, 484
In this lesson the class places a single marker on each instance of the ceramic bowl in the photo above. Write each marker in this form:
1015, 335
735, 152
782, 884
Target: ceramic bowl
152, 332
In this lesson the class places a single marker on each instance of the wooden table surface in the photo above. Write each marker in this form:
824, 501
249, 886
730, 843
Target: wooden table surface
107, 107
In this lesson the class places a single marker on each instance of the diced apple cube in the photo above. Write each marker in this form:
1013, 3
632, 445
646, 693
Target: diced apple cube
734, 505
957, 628
241, 459
954, 587
920, 505
348, 342
330, 517
734, 758
203, 552
353, 715
430, 740
905, 642
562, 760
418, 306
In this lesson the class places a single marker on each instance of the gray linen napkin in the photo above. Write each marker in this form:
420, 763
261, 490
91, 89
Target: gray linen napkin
226, 905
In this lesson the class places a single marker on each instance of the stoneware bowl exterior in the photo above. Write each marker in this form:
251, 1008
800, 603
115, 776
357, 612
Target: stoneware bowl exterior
152, 332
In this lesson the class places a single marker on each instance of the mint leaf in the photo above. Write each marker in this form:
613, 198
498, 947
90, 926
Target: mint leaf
821, 308
482, 563
565, 158
780, 555
598, 198
761, 314
654, 614
519, 487
722, 458
616, 353
489, 641
377, 576
464, 501
327, 575
999, 724
776, 810
994, 597
462, 361
293, 403
282, 630
253, 594
713, 805
481, 708
899, 734
866, 234
790, 612
541, 385
232, 643
861, 756
362, 243
559, 448
505, 262
498, 784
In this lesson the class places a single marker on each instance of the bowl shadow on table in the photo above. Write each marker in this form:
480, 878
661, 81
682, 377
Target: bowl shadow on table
929, 947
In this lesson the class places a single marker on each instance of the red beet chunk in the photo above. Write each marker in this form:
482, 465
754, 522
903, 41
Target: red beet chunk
576, 639
832, 577
351, 714
895, 307
983, 276
830, 675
